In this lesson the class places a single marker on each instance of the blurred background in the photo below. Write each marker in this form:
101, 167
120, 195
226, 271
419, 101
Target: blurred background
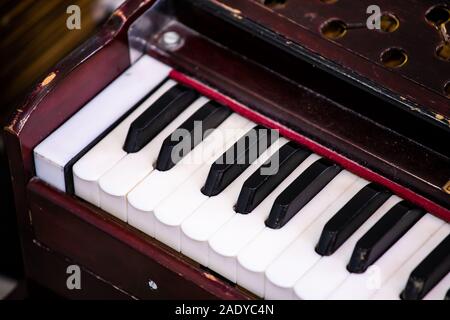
33, 38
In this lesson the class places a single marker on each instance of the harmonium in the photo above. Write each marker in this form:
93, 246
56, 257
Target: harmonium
242, 149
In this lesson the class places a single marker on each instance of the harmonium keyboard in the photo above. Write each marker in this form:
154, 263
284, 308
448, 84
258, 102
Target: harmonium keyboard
276, 149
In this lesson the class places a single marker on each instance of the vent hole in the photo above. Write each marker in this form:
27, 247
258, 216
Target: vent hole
437, 15
389, 22
443, 51
394, 58
334, 29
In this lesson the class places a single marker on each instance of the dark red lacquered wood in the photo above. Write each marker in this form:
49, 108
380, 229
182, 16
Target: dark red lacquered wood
50, 270
263, 96
347, 163
117, 252
405, 163
419, 81
68, 86
65, 90
386, 152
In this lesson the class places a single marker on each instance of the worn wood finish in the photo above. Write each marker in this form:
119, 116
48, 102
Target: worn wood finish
33, 33
33, 38
67, 87
126, 258
420, 172
116, 252
357, 53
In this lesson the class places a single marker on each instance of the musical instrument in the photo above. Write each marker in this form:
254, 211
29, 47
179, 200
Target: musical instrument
357, 208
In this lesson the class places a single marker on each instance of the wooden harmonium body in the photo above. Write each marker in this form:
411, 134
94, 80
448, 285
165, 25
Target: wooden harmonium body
355, 113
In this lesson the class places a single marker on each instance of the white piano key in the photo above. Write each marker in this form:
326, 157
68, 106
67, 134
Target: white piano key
363, 286
172, 212
55, 152
392, 289
160, 185
134, 167
206, 220
225, 245
268, 245
439, 291
329, 272
105, 154
300, 256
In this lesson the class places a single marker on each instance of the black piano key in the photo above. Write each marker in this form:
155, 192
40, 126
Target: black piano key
194, 130
429, 272
447, 295
68, 168
390, 228
350, 217
301, 191
236, 159
158, 116
258, 186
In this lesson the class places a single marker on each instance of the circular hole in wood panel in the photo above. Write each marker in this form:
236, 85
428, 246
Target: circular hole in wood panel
274, 3
333, 29
447, 89
443, 51
394, 58
389, 22
437, 15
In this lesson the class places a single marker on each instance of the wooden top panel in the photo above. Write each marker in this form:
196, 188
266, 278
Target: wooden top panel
417, 86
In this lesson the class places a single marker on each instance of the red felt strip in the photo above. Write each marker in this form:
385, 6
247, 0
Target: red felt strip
348, 164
